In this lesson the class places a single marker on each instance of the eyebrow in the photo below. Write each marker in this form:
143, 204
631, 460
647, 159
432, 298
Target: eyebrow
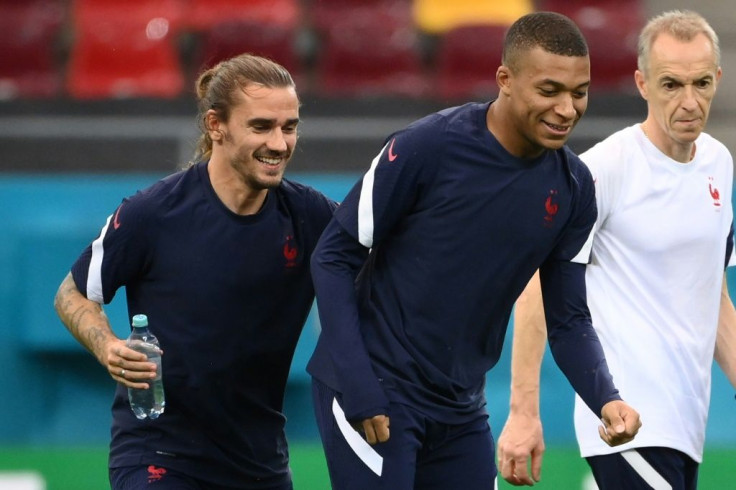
262, 121
669, 78
559, 85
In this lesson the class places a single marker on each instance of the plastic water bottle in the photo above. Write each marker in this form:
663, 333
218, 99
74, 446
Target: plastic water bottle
146, 403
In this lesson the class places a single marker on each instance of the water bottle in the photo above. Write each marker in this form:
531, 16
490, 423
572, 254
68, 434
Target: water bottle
146, 403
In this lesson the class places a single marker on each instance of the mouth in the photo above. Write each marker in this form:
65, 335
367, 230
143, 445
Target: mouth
272, 161
559, 129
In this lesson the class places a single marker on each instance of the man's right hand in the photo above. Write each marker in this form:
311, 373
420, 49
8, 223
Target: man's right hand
520, 450
620, 423
375, 429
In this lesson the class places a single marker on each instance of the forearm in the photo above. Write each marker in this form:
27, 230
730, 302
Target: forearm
573, 341
335, 265
725, 353
85, 319
530, 339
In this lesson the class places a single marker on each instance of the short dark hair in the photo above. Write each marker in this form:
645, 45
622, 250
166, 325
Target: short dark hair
553, 32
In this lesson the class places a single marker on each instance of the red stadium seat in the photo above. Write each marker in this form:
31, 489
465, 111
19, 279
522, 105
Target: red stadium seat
204, 14
273, 41
88, 14
125, 59
29, 32
466, 62
363, 55
611, 28
325, 14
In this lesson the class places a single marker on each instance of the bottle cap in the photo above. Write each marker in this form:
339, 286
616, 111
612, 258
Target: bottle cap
140, 321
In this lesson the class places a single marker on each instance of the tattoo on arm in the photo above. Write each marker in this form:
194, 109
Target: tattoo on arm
84, 318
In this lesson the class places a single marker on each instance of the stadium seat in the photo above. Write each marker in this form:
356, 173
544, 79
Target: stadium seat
364, 56
611, 28
466, 62
326, 14
125, 52
204, 14
29, 35
273, 41
125, 59
436, 17
88, 14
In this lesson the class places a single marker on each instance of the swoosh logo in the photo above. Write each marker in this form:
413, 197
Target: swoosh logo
391, 155
115, 222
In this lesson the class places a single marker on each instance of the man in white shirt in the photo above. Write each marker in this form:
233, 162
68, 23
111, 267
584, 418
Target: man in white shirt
656, 286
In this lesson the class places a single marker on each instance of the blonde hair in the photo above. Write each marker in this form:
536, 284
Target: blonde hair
683, 25
216, 90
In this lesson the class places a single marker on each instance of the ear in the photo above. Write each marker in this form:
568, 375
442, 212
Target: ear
719, 73
212, 125
503, 79
641, 84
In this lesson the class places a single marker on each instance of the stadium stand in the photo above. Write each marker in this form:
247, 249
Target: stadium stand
441, 16
370, 54
602, 23
203, 15
431, 49
324, 14
466, 61
29, 35
128, 52
277, 41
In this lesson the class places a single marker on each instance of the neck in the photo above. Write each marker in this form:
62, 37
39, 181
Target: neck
233, 191
680, 152
506, 134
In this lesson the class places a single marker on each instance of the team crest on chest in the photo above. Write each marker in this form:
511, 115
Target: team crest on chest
290, 251
551, 207
714, 194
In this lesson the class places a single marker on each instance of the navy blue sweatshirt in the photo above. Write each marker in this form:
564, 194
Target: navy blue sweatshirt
417, 273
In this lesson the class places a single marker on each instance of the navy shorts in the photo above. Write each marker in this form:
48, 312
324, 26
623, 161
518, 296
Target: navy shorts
645, 468
419, 454
151, 477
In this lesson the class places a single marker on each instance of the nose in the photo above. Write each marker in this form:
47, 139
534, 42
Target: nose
689, 99
565, 107
276, 141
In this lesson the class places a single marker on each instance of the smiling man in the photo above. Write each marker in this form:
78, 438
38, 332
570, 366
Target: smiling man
656, 284
217, 256
418, 271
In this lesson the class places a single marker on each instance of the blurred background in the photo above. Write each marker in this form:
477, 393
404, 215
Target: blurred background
97, 101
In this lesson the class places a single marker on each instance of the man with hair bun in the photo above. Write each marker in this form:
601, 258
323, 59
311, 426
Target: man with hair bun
418, 271
217, 256
655, 284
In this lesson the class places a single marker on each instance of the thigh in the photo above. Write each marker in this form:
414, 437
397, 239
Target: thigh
457, 456
352, 463
645, 468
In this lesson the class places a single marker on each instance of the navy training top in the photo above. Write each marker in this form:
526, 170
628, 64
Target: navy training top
439, 237
227, 296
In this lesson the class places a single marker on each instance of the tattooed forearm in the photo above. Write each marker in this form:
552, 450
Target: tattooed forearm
84, 319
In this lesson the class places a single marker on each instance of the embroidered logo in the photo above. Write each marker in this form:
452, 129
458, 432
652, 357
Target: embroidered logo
155, 474
115, 222
290, 251
551, 207
391, 155
714, 193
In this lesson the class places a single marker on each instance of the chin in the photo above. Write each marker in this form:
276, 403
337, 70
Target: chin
553, 144
273, 181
